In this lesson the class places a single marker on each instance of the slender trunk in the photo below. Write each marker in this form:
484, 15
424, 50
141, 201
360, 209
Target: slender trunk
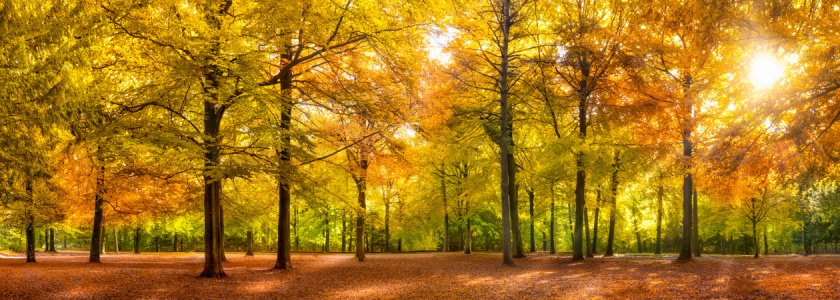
695, 243
531, 213
722, 244
387, 227
805, 249
597, 216
688, 185
571, 229
660, 193
580, 186
137, 240
52, 240
544, 242
399, 245
30, 224
638, 235
504, 155
765, 240
327, 231
468, 238
361, 186
755, 239
552, 250
586, 230
613, 207
297, 237
221, 233
518, 245
343, 231
445, 216
116, 241
96, 235
174, 242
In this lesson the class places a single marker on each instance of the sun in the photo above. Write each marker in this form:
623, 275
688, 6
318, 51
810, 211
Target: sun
765, 71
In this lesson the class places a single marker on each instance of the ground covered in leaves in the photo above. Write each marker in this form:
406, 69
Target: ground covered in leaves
418, 275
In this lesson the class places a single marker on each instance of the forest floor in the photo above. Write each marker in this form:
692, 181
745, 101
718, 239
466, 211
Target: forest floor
68, 275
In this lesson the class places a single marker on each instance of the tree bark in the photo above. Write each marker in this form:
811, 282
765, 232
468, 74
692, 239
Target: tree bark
284, 242
531, 214
445, 216
52, 240
695, 243
580, 185
755, 240
468, 238
361, 186
518, 244
137, 240
116, 241
387, 226
213, 113
249, 244
327, 231
613, 205
30, 224
660, 193
597, 216
688, 185
343, 231
96, 235
765, 240
586, 229
504, 155
552, 250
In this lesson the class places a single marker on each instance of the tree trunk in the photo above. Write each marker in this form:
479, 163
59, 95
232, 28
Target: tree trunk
213, 113
531, 213
399, 245
613, 207
765, 240
468, 238
504, 134
30, 225
755, 239
52, 240
249, 244
445, 216
660, 193
221, 233
586, 230
174, 242
595, 228
571, 229
695, 243
387, 227
137, 240
638, 235
327, 231
688, 185
722, 244
580, 185
96, 242
518, 245
116, 241
552, 250
343, 231
361, 186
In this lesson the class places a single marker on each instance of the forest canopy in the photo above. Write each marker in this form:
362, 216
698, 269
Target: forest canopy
589, 127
